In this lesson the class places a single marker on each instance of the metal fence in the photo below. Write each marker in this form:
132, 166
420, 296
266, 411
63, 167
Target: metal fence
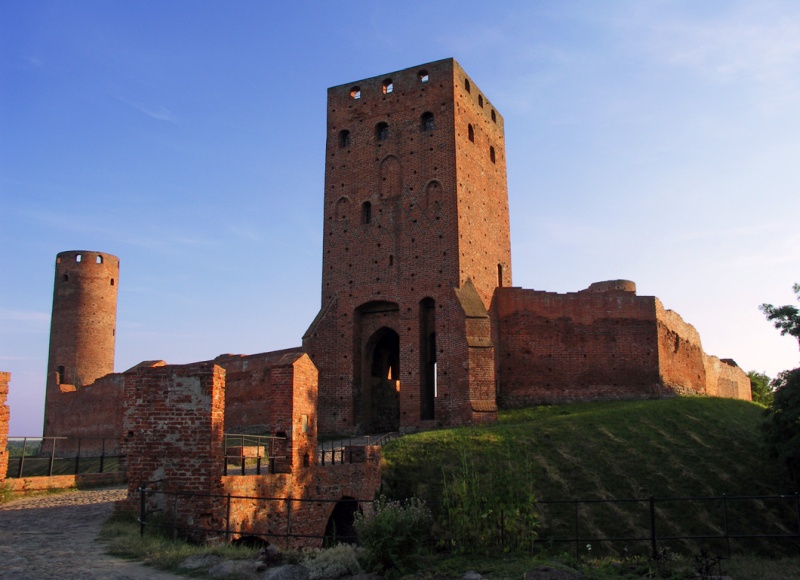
49, 456
342, 450
573, 525
782, 512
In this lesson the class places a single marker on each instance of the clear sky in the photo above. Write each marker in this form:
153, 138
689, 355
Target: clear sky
653, 141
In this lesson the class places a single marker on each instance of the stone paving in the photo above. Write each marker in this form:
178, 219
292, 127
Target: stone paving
55, 536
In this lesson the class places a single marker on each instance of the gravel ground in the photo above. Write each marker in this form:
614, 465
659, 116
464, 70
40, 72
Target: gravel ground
55, 536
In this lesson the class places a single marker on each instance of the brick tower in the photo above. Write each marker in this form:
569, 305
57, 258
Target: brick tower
416, 239
82, 327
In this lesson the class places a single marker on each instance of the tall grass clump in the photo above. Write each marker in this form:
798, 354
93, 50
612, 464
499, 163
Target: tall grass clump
485, 509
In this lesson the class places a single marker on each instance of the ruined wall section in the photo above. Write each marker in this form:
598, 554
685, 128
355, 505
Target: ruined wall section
173, 438
275, 394
94, 411
724, 378
680, 353
5, 415
599, 344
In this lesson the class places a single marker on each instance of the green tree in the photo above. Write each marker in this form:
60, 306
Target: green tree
761, 388
782, 428
785, 318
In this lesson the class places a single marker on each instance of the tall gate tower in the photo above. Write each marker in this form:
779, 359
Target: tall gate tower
416, 239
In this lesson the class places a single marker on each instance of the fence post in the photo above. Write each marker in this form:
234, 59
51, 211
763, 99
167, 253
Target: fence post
727, 533
653, 544
175, 519
22, 457
577, 534
52, 458
78, 458
288, 520
142, 513
228, 521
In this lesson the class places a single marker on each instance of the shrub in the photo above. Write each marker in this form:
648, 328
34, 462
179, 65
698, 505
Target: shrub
394, 533
340, 560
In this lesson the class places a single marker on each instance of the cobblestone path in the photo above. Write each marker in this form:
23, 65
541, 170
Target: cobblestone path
55, 536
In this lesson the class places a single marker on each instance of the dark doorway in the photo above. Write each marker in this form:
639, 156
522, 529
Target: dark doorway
340, 528
382, 358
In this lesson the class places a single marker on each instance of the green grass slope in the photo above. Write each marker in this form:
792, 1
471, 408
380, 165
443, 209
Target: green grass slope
687, 446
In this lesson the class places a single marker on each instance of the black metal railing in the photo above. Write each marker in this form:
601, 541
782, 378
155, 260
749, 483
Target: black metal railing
344, 450
253, 454
578, 520
49, 456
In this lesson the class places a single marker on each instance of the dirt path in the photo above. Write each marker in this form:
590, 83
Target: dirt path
55, 536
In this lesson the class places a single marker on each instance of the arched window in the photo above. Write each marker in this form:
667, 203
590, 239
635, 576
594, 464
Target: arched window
382, 131
388, 86
471, 133
355, 93
480, 101
99, 259
491, 154
344, 138
423, 76
494, 116
427, 121
466, 86
366, 212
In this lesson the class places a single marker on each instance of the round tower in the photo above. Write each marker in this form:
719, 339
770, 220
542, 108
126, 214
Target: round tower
83, 324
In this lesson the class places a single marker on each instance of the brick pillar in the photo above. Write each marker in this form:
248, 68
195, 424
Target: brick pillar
173, 438
4, 416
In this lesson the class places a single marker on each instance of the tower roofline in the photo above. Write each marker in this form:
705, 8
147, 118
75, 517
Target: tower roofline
382, 76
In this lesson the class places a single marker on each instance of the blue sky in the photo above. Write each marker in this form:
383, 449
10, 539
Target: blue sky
652, 141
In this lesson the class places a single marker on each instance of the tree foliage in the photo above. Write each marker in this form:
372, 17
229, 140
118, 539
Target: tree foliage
782, 428
761, 388
785, 318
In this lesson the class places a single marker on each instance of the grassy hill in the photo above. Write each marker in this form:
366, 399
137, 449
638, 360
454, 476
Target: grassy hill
682, 447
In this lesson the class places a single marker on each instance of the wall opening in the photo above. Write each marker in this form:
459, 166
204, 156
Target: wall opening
388, 86
65, 278
78, 258
500, 275
344, 138
355, 93
382, 131
467, 86
491, 154
423, 76
427, 121
99, 259
340, 526
471, 133
381, 364
366, 212
60, 375
494, 116
480, 101
427, 351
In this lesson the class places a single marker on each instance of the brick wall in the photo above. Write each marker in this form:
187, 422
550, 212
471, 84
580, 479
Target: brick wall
173, 437
95, 410
173, 421
584, 346
4, 418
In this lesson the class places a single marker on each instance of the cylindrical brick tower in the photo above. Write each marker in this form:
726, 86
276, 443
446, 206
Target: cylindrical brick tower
83, 324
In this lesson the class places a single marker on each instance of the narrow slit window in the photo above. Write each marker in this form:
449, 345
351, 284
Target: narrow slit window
366, 212
78, 258
467, 87
60, 378
480, 101
471, 133
65, 278
99, 259
382, 131
112, 281
500, 275
494, 116
344, 138
427, 122
491, 154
